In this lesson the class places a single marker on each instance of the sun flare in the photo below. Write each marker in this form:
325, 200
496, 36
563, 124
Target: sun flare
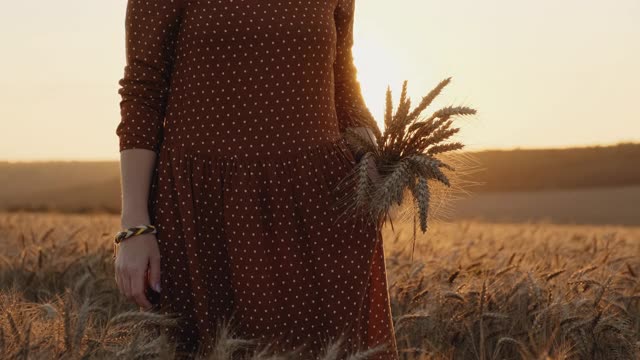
378, 67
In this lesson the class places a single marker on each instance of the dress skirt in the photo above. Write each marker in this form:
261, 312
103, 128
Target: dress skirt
264, 244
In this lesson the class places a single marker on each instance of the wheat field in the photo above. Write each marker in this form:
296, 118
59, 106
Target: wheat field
472, 291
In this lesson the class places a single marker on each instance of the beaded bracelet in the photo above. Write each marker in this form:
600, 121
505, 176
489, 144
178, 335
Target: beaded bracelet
132, 231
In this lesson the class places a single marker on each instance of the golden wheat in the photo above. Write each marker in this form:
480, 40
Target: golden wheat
508, 291
405, 157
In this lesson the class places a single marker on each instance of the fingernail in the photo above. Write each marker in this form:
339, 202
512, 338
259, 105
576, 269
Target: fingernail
156, 287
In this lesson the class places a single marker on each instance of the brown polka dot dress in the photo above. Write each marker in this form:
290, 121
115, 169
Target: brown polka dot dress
244, 102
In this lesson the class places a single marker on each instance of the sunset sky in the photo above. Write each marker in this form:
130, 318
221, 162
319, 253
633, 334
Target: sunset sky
543, 73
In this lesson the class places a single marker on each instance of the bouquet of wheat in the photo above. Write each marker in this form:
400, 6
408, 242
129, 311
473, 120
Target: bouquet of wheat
405, 156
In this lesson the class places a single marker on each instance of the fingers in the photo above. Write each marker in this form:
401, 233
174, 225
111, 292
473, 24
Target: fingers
131, 283
154, 272
127, 288
373, 173
137, 289
121, 279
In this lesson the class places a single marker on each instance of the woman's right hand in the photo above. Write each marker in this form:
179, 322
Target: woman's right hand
137, 266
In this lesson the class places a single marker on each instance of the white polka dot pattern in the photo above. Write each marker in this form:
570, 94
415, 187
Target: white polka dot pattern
244, 102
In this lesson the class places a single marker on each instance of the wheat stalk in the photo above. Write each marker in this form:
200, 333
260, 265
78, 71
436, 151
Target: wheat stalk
405, 156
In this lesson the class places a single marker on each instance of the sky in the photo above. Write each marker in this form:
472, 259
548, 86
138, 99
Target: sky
542, 73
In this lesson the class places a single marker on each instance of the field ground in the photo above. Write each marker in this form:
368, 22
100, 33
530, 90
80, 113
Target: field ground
473, 290
581, 185
594, 205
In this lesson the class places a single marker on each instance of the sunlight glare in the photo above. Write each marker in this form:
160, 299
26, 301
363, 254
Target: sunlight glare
378, 68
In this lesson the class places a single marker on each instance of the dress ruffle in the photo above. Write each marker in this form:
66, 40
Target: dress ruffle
324, 166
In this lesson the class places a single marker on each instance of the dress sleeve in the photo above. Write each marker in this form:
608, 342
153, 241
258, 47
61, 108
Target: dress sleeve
151, 28
351, 108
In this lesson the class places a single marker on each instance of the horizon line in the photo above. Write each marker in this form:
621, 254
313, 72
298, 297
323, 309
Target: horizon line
512, 148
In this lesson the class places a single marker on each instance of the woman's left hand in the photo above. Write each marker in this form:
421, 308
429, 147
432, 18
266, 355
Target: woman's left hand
374, 175
367, 133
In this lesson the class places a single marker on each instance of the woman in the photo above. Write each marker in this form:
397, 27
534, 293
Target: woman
230, 138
